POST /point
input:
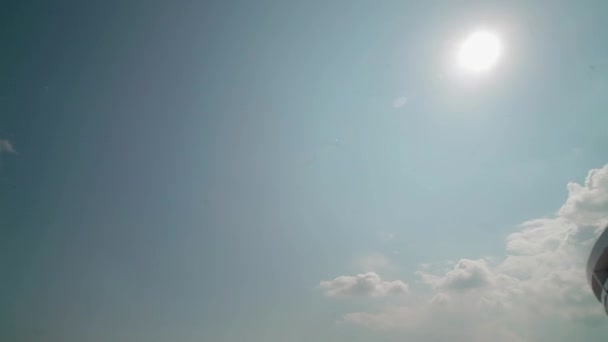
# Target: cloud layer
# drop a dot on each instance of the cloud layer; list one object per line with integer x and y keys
{"x": 538, "y": 292}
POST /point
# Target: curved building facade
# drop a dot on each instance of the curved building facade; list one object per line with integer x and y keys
{"x": 597, "y": 269}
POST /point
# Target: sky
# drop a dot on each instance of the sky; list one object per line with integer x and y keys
{"x": 300, "y": 171}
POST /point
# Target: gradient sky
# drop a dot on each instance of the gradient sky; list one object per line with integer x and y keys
{"x": 299, "y": 171}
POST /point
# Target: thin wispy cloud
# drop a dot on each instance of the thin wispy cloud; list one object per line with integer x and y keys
{"x": 385, "y": 237}
{"x": 400, "y": 102}
{"x": 373, "y": 262}
{"x": 6, "y": 147}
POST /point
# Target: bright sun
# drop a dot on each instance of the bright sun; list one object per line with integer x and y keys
{"x": 479, "y": 52}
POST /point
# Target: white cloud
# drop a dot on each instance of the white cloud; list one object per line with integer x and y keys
{"x": 363, "y": 285}
{"x": 538, "y": 292}
{"x": 6, "y": 147}
{"x": 466, "y": 275}
{"x": 587, "y": 204}
{"x": 400, "y": 102}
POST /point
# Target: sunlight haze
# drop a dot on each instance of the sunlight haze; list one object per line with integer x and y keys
{"x": 297, "y": 171}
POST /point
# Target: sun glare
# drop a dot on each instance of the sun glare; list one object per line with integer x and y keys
{"x": 479, "y": 52}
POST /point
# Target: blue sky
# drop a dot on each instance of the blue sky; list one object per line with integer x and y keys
{"x": 300, "y": 170}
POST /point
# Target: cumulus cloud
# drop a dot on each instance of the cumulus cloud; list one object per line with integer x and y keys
{"x": 466, "y": 274}
{"x": 363, "y": 285}
{"x": 537, "y": 292}
{"x": 6, "y": 147}
{"x": 587, "y": 204}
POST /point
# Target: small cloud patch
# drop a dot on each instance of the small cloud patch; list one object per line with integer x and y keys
{"x": 363, "y": 285}
{"x": 6, "y": 147}
{"x": 400, "y": 102}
